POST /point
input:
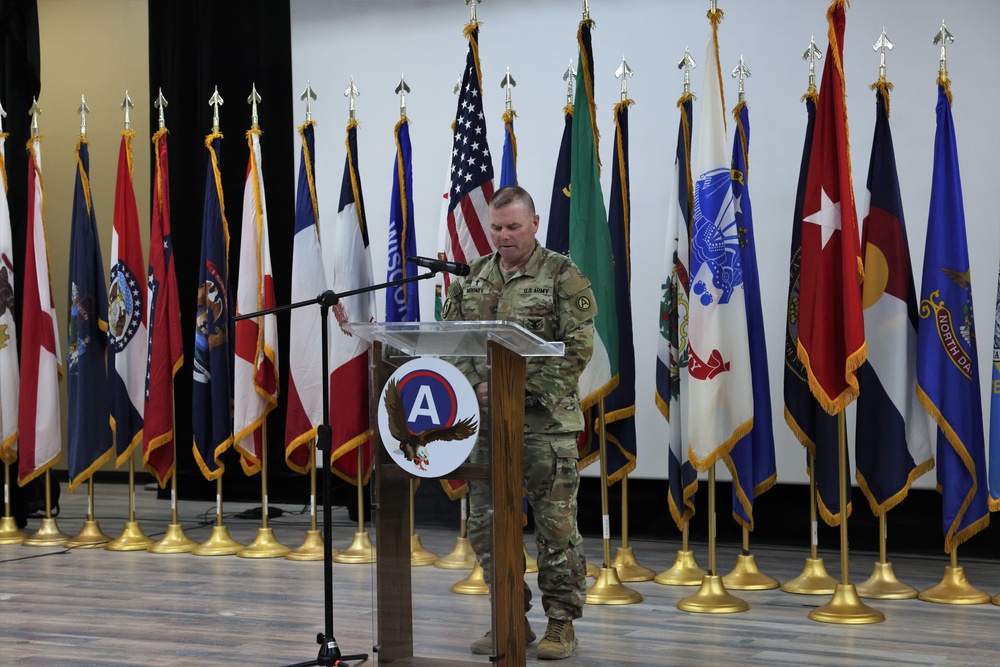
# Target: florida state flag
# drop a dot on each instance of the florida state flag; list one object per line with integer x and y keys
{"x": 831, "y": 326}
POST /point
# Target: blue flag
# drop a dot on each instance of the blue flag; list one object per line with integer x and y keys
{"x": 894, "y": 434}
{"x": 751, "y": 461}
{"x": 995, "y": 413}
{"x": 557, "y": 236}
{"x": 814, "y": 428}
{"x": 671, "y": 349}
{"x": 212, "y": 389}
{"x": 947, "y": 364}
{"x": 89, "y": 443}
{"x": 619, "y": 406}
{"x": 508, "y": 165}
{"x": 402, "y": 303}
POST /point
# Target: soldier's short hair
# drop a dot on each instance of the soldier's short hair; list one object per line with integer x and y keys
{"x": 512, "y": 194}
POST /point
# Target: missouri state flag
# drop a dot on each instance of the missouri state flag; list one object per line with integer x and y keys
{"x": 947, "y": 361}
{"x": 9, "y": 375}
{"x": 127, "y": 342}
{"x": 305, "y": 372}
{"x": 720, "y": 411}
{"x": 255, "y": 373}
{"x": 163, "y": 318}
{"x": 894, "y": 433}
{"x": 89, "y": 442}
{"x": 39, "y": 431}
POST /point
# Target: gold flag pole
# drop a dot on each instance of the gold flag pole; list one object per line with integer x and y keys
{"x": 90, "y": 535}
{"x": 361, "y": 549}
{"x": 845, "y": 606}
{"x": 814, "y": 579}
{"x": 312, "y": 547}
{"x": 48, "y": 533}
{"x": 685, "y": 571}
{"x": 954, "y": 587}
{"x": 608, "y": 589}
{"x": 9, "y": 532}
{"x": 219, "y": 543}
{"x": 462, "y": 557}
{"x": 712, "y": 597}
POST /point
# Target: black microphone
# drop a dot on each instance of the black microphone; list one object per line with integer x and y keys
{"x": 457, "y": 268}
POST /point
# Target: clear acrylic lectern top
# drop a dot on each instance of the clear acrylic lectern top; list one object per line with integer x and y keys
{"x": 454, "y": 339}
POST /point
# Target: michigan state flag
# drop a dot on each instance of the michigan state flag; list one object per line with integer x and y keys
{"x": 89, "y": 444}
{"x": 212, "y": 389}
{"x": 751, "y": 460}
{"x": 947, "y": 363}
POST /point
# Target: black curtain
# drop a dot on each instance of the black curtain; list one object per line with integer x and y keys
{"x": 194, "y": 47}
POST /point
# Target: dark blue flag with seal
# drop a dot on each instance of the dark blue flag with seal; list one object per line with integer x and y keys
{"x": 212, "y": 389}
{"x": 89, "y": 443}
{"x": 557, "y": 234}
{"x": 402, "y": 302}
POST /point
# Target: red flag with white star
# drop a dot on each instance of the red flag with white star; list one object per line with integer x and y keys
{"x": 831, "y": 325}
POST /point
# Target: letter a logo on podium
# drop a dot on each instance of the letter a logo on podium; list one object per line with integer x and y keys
{"x": 428, "y": 417}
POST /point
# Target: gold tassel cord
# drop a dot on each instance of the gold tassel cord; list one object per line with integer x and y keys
{"x": 310, "y": 178}
{"x": 128, "y": 134}
{"x": 401, "y": 174}
{"x": 508, "y": 121}
{"x": 158, "y": 136}
{"x": 883, "y": 87}
{"x": 945, "y": 83}
{"x": 715, "y": 17}
{"x": 84, "y": 179}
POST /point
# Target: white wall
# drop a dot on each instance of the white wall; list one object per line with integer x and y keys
{"x": 376, "y": 40}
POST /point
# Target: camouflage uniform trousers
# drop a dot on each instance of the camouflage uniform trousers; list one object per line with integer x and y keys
{"x": 551, "y": 483}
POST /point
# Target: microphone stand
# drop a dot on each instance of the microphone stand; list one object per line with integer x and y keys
{"x": 329, "y": 651}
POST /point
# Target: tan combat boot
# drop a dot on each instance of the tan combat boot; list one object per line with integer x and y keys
{"x": 484, "y": 645}
{"x": 558, "y": 642}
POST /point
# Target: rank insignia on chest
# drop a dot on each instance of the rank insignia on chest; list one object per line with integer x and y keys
{"x": 533, "y": 324}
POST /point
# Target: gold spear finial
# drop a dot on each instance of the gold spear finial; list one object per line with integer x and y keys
{"x": 160, "y": 104}
{"x": 253, "y": 100}
{"x": 35, "y": 111}
{"x": 586, "y": 10}
{"x": 352, "y": 92}
{"x": 507, "y": 84}
{"x": 308, "y": 95}
{"x": 472, "y": 6}
{"x": 215, "y": 102}
{"x": 569, "y": 76}
{"x": 127, "y": 106}
{"x": 812, "y": 54}
{"x": 943, "y": 38}
{"x": 83, "y": 111}
{"x": 687, "y": 64}
{"x": 624, "y": 72}
{"x": 741, "y": 72}
{"x": 402, "y": 89}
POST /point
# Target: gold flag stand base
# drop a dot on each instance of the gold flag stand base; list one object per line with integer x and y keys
{"x": 9, "y": 532}
{"x": 684, "y": 571}
{"x": 883, "y": 585}
{"x": 846, "y": 608}
{"x": 419, "y": 556}
{"x": 174, "y": 542}
{"x": 592, "y": 570}
{"x": 608, "y": 589}
{"x": 48, "y": 535}
{"x": 712, "y": 598}
{"x": 131, "y": 539}
{"x": 813, "y": 581}
{"x": 360, "y": 551}
{"x": 474, "y": 584}
{"x": 90, "y": 536}
{"x": 219, "y": 544}
{"x": 747, "y": 577}
{"x": 954, "y": 589}
{"x": 265, "y": 545}
{"x": 628, "y": 568}
{"x": 996, "y": 600}
{"x": 310, "y": 549}
{"x": 530, "y": 564}
{"x": 462, "y": 557}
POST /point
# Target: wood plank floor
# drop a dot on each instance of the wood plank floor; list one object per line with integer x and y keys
{"x": 95, "y": 607}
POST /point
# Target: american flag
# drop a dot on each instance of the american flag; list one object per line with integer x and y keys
{"x": 466, "y": 234}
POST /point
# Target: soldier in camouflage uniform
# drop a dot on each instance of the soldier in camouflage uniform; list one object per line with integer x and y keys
{"x": 545, "y": 293}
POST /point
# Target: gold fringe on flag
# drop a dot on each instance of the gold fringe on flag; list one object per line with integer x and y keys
{"x": 586, "y": 71}
{"x": 218, "y": 188}
{"x": 3, "y": 164}
{"x": 883, "y": 87}
{"x": 508, "y": 119}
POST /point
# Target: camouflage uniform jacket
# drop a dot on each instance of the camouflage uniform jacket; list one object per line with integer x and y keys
{"x": 550, "y": 298}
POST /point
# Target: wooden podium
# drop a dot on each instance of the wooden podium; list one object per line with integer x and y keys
{"x": 505, "y": 346}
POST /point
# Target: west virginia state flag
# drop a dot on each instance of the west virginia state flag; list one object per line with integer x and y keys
{"x": 893, "y": 440}
{"x": 720, "y": 411}
{"x": 166, "y": 351}
{"x": 89, "y": 440}
{"x": 256, "y": 361}
{"x": 40, "y": 438}
{"x": 947, "y": 364}
{"x": 671, "y": 345}
{"x": 751, "y": 461}
{"x": 9, "y": 375}
{"x": 305, "y": 372}
{"x": 127, "y": 341}
{"x": 402, "y": 302}
{"x": 352, "y": 269}
{"x": 212, "y": 389}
